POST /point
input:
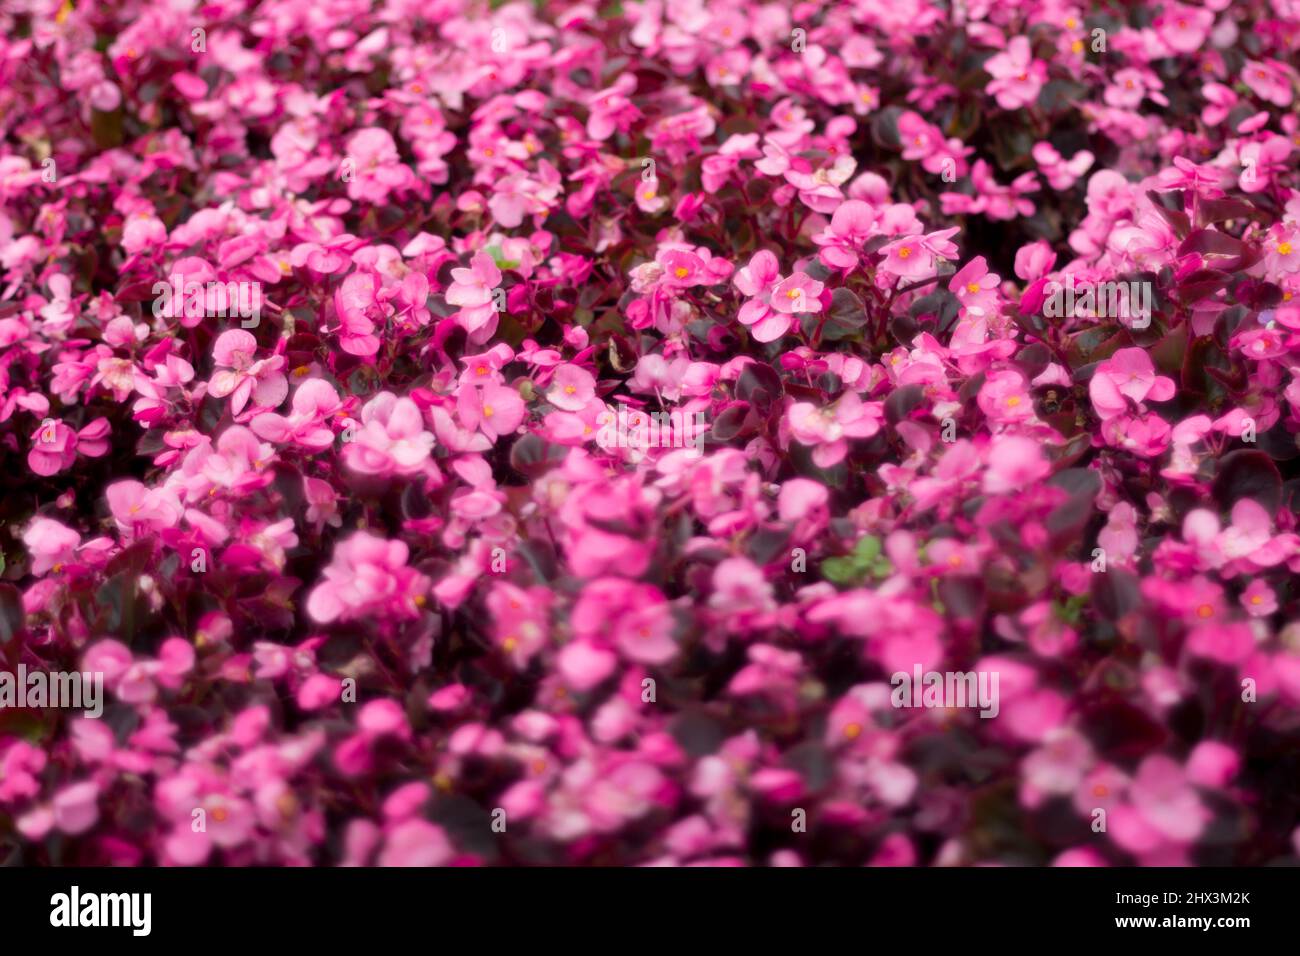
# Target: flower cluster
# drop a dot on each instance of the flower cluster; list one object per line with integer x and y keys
{"x": 314, "y": 319}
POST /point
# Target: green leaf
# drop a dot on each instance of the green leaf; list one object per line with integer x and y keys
{"x": 867, "y": 550}
{"x": 499, "y": 258}
{"x": 841, "y": 570}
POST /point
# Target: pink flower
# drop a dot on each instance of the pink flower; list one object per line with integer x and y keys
{"x": 367, "y": 576}
{"x": 773, "y": 299}
{"x": 51, "y": 544}
{"x": 391, "y": 439}
{"x": 473, "y": 290}
{"x": 1183, "y": 28}
{"x": 247, "y": 376}
{"x": 1269, "y": 81}
{"x": 1212, "y": 764}
{"x": 1164, "y": 801}
{"x": 572, "y": 388}
{"x": 415, "y": 843}
{"x": 1017, "y": 76}
{"x": 137, "y": 509}
{"x": 1263, "y": 162}
{"x": 585, "y": 663}
{"x": 494, "y": 409}
{"x": 357, "y": 305}
{"x": 313, "y": 404}
{"x": 1258, "y": 599}
{"x": 742, "y": 596}
{"x": 634, "y": 617}
{"x": 373, "y": 166}
{"x": 908, "y": 258}
{"x": 1060, "y": 173}
{"x": 828, "y": 429}
{"x": 76, "y": 807}
{"x": 1219, "y": 103}
{"x": 1128, "y": 375}
{"x": 54, "y": 448}
{"x": 1014, "y": 463}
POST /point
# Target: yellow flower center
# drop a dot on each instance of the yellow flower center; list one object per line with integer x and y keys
{"x": 1284, "y": 248}
{"x": 904, "y": 252}
{"x": 852, "y": 731}
{"x": 487, "y": 411}
{"x": 972, "y": 287}
{"x": 681, "y": 272}
{"x": 1204, "y": 611}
